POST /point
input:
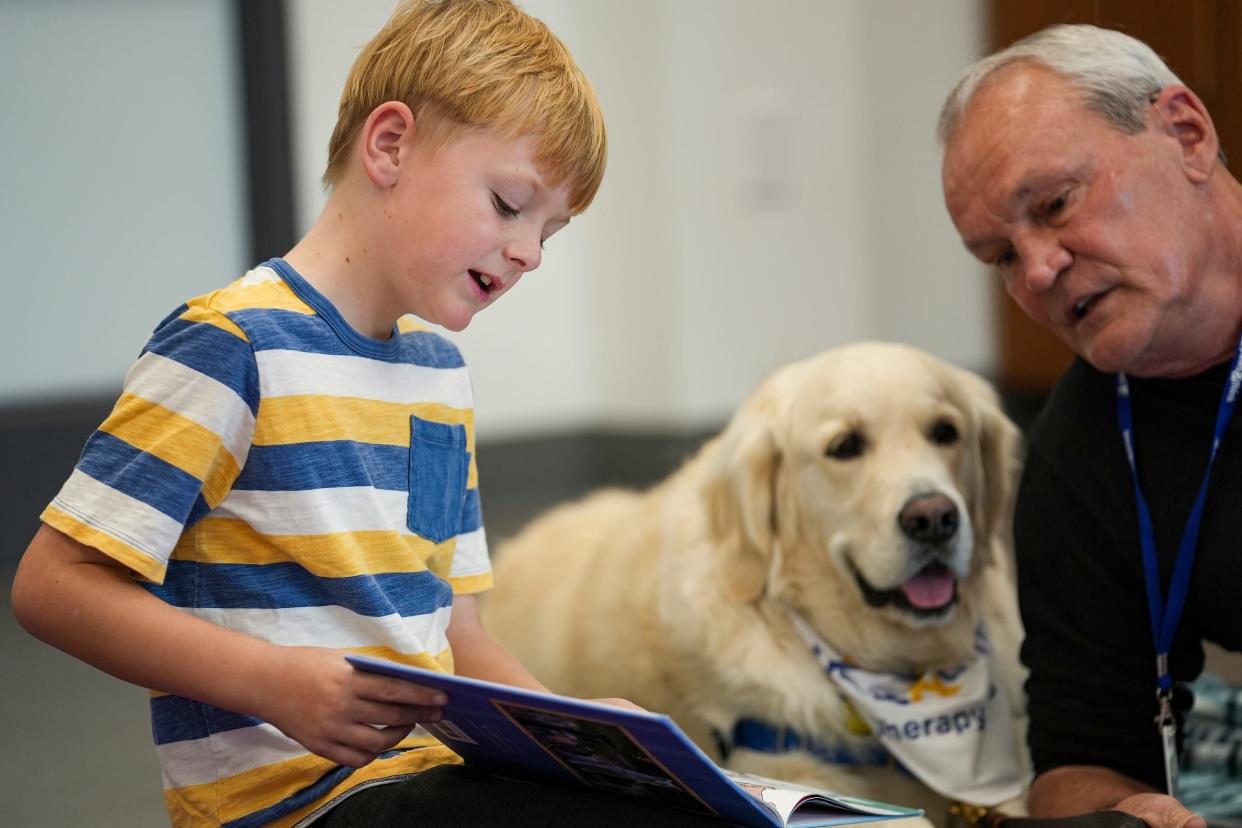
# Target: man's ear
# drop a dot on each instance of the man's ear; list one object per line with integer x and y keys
{"x": 385, "y": 133}
{"x": 1183, "y": 116}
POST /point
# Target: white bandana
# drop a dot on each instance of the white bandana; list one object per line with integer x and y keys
{"x": 950, "y": 728}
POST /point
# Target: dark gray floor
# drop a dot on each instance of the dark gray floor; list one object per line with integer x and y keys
{"x": 77, "y": 743}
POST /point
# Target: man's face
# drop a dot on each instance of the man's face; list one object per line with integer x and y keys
{"x": 1093, "y": 230}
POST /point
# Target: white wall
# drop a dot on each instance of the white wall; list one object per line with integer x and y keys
{"x": 772, "y": 190}
{"x": 122, "y": 191}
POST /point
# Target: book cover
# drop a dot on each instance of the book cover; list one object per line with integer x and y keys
{"x": 563, "y": 741}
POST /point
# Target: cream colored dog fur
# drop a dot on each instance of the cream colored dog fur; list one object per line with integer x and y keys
{"x": 674, "y": 597}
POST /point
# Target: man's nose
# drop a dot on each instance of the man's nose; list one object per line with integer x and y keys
{"x": 1043, "y": 259}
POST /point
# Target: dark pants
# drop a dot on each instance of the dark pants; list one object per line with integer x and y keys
{"x": 451, "y": 795}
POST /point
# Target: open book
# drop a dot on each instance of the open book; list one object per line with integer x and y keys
{"x": 534, "y": 736}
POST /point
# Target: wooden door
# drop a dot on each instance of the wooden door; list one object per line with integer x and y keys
{"x": 1200, "y": 40}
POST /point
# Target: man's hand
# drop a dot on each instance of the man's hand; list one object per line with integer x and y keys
{"x": 625, "y": 704}
{"x": 1160, "y": 811}
{"x": 317, "y": 698}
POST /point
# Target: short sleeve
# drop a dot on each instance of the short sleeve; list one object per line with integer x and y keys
{"x": 170, "y": 450}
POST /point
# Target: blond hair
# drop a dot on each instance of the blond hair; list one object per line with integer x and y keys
{"x": 479, "y": 64}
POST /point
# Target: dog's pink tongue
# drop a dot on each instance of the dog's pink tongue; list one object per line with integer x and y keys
{"x": 931, "y": 588}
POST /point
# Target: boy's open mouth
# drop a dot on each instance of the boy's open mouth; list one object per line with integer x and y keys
{"x": 484, "y": 281}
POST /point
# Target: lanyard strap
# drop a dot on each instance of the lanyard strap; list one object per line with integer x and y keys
{"x": 1165, "y": 616}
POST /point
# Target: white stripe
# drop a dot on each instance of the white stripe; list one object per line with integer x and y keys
{"x": 332, "y": 626}
{"x": 470, "y": 557}
{"x": 259, "y": 275}
{"x": 197, "y": 397}
{"x": 221, "y": 755}
{"x": 318, "y": 511}
{"x": 295, "y": 373}
{"x": 117, "y": 514}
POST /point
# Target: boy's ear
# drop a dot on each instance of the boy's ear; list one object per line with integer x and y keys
{"x": 385, "y": 133}
{"x": 1185, "y": 117}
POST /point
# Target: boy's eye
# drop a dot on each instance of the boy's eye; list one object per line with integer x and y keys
{"x": 503, "y": 207}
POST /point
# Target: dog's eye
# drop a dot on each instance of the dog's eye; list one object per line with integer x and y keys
{"x": 943, "y": 433}
{"x": 847, "y": 446}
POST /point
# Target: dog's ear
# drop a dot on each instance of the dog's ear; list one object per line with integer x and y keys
{"x": 1000, "y": 449}
{"x": 739, "y": 493}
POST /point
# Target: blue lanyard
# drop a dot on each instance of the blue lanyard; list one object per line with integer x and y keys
{"x": 1164, "y": 617}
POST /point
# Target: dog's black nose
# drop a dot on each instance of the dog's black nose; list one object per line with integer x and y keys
{"x": 929, "y": 518}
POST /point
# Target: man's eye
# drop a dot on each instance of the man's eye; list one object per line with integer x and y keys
{"x": 1005, "y": 260}
{"x": 503, "y": 207}
{"x": 1056, "y": 205}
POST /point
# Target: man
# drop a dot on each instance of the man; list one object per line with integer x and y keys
{"x": 1080, "y": 166}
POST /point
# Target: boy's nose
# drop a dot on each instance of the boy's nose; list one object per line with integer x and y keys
{"x": 524, "y": 254}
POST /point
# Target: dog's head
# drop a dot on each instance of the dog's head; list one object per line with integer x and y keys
{"x": 867, "y": 487}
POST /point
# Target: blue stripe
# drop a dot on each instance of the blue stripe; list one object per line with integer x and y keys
{"x": 211, "y": 351}
{"x": 200, "y": 508}
{"x": 300, "y": 467}
{"x": 471, "y": 511}
{"x": 142, "y": 476}
{"x": 430, "y": 349}
{"x": 289, "y": 804}
{"x": 286, "y": 585}
{"x": 318, "y": 789}
{"x": 178, "y": 719}
{"x": 275, "y": 329}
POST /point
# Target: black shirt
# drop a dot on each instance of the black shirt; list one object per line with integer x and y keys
{"x": 1088, "y": 641}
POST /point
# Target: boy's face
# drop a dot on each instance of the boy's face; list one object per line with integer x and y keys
{"x": 466, "y": 220}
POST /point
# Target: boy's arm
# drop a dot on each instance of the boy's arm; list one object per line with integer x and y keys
{"x": 81, "y": 601}
{"x": 477, "y": 655}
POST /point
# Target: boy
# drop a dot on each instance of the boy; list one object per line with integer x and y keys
{"x": 289, "y": 473}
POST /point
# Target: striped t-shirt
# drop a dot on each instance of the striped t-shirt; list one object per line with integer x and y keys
{"x": 270, "y": 469}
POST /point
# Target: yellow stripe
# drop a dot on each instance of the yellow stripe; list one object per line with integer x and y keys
{"x": 237, "y": 796}
{"x": 412, "y": 761}
{"x": 265, "y": 295}
{"x": 336, "y": 555}
{"x": 146, "y": 566}
{"x": 206, "y": 316}
{"x": 312, "y": 418}
{"x": 409, "y": 324}
{"x": 441, "y": 662}
{"x": 471, "y": 583}
{"x": 177, "y": 440}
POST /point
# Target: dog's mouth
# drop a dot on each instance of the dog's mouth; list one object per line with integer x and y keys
{"x": 931, "y": 592}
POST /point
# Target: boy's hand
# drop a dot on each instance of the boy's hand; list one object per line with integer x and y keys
{"x": 349, "y": 716}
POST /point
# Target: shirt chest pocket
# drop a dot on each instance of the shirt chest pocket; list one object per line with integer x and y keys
{"x": 439, "y": 467}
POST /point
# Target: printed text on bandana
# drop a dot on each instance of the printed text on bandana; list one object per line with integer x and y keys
{"x": 956, "y": 723}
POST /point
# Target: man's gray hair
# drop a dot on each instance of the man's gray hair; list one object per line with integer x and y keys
{"x": 1117, "y": 74}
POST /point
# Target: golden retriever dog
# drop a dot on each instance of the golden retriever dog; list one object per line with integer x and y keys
{"x": 866, "y": 489}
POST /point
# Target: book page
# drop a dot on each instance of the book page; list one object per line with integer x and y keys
{"x": 786, "y": 798}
